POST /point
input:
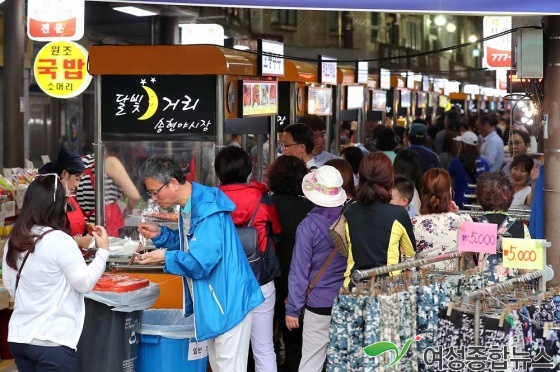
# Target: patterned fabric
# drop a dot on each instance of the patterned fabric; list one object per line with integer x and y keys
{"x": 437, "y": 234}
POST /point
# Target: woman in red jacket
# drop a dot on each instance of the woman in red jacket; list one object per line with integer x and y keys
{"x": 233, "y": 168}
{"x": 70, "y": 168}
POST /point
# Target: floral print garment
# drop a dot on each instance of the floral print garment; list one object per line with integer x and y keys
{"x": 437, "y": 234}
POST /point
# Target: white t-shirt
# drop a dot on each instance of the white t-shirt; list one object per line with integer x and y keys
{"x": 49, "y": 301}
{"x": 520, "y": 196}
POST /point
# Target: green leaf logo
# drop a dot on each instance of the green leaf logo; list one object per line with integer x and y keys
{"x": 395, "y": 355}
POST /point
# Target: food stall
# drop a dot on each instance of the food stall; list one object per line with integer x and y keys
{"x": 174, "y": 100}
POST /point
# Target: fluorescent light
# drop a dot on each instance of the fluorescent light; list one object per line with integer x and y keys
{"x": 136, "y": 11}
{"x": 241, "y": 47}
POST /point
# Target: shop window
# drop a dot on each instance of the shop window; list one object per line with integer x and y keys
{"x": 285, "y": 17}
{"x": 374, "y": 33}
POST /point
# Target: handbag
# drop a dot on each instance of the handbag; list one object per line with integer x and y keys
{"x": 337, "y": 232}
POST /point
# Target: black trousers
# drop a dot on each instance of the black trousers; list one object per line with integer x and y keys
{"x": 34, "y": 358}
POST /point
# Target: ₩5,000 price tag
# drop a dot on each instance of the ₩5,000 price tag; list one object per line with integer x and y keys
{"x": 523, "y": 253}
{"x": 477, "y": 237}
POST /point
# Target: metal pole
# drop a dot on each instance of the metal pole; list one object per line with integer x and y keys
{"x": 477, "y": 305}
{"x": 552, "y": 142}
{"x": 272, "y": 141}
{"x": 293, "y": 102}
{"x": 336, "y": 120}
{"x": 220, "y": 117}
{"x": 328, "y": 131}
{"x": 260, "y": 154}
{"x": 99, "y": 154}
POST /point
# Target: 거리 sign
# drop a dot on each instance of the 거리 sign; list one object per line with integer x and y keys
{"x": 61, "y": 69}
{"x": 55, "y": 20}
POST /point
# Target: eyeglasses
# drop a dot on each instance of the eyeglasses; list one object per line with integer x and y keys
{"x": 283, "y": 146}
{"x": 154, "y": 193}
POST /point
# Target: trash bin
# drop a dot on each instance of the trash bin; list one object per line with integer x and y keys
{"x": 167, "y": 343}
{"x": 110, "y": 339}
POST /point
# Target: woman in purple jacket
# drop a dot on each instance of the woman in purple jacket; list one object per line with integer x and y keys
{"x": 317, "y": 269}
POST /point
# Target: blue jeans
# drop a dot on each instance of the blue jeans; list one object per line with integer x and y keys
{"x": 34, "y": 358}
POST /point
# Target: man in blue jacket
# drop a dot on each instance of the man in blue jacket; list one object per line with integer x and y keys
{"x": 220, "y": 288}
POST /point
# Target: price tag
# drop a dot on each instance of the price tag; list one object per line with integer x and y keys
{"x": 523, "y": 253}
{"x": 477, "y": 237}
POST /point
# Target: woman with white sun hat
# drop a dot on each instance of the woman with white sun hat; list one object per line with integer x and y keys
{"x": 317, "y": 269}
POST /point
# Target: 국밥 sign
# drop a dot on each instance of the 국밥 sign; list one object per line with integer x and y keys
{"x": 61, "y": 69}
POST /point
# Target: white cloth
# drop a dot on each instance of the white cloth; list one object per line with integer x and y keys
{"x": 493, "y": 150}
{"x": 49, "y": 301}
{"x": 311, "y": 164}
{"x": 437, "y": 234}
{"x": 314, "y": 343}
{"x": 415, "y": 202}
{"x": 520, "y": 196}
{"x": 323, "y": 157}
{"x": 262, "y": 331}
{"x": 229, "y": 352}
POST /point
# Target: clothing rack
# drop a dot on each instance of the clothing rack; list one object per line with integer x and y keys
{"x": 364, "y": 274}
{"x": 521, "y": 214}
{"x": 543, "y": 276}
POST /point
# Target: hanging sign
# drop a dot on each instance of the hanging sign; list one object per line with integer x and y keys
{"x": 327, "y": 70}
{"x": 270, "y": 58}
{"x": 260, "y": 98}
{"x": 319, "y": 101}
{"x": 477, "y": 237}
{"x": 384, "y": 79}
{"x": 378, "y": 100}
{"x": 354, "y": 97}
{"x": 361, "y": 72}
{"x": 158, "y": 107}
{"x": 55, "y": 19}
{"x": 497, "y": 51}
{"x": 60, "y": 69}
{"x": 523, "y": 253}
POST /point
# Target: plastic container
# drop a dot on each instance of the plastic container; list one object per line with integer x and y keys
{"x": 109, "y": 340}
{"x": 120, "y": 283}
{"x": 167, "y": 343}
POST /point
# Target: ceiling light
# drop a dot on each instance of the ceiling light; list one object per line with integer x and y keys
{"x": 451, "y": 27}
{"x": 241, "y": 47}
{"x": 440, "y": 20}
{"x": 472, "y": 38}
{"x": 136, "y": 11}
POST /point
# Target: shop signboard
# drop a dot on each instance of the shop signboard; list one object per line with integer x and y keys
{"x": 327, "y": 70}
{"x": 362, "y": 70}
{"x": 378, "y": 100}
{"x": 354, "y": 97}
{"x": 60, "y": 69}
{"x": 384, "y": 79}
{"x": 406, "y": 98}
{"x": 55, "y": 20}
{"x": 420, "y": 100}
{"x": 319, "y": 101}
{"x": 260, "y": 98}
{"x": 497, "y": 51}
{"x": 390, "y": 6}
{"x": 158, "y": 107}
{"x": 270, "y": 58}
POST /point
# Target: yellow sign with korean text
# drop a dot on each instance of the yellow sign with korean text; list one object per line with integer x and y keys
{"x": 523, "y": 253}
{"x": 61, "y": 69}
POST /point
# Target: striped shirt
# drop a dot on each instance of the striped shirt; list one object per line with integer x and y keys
{"x": 86, "y": 189}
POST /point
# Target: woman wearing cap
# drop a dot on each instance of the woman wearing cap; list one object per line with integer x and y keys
{"x": 70, "y": 168}
{"x": 317, "y": 269}
{"x": 466, "y": 167}
{"x": 380, "y": 232}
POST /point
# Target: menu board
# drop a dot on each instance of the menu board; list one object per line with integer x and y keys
{"x": 378, "y": 100}
{"x": 260, "y": 98}
{"x": 158, "y": 107}
{"x": 406, "y": 96}
{"x": 319, "y": 101}
{"x": 420, "y": 100}
{"x": 354, "y": 97}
